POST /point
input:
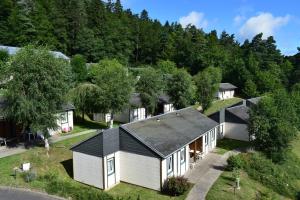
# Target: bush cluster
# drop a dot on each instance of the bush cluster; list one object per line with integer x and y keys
{"x": 60, "y": 187}
{"x": 273, "y": 176}
{"x": 176, "y": 186}
{"x": 234, "y": 162}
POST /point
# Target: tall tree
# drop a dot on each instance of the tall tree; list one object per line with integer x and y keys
{"x": 115, "y": 86}
{"x": 149, "y": 86}
{"x": 79, "y": 68}
{"x": 207, "y": 83}
{"x": 37, "y": 91}
{"x": 181, "y": 89}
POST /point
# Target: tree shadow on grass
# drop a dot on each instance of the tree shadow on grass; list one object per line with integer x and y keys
{"x": 68, "y": 165}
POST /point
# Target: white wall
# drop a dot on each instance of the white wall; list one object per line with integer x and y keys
{"x": 178, "y": 168}
{"x": 101, "y": 117}
{"x": 225, "y": 94}
{"x": 237, "y": 131}
{"x": 137, "y": 114}
{"x": 168, "y": 108}
{"x": 88, "y": 169}
{"x": 68, "y": 126}
{"x": 140, "y": 170}
{"x": 113, "y": 179}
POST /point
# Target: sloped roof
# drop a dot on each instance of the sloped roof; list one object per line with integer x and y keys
{"x": 135, "y": 100}
{"x": 254, "y": 100}
{"x": 242, "y": 112}
{"x": 164, "y": 98}
{"x": 227, "y": 86}
{"x": 167, "y": 133}
{"x": 14, "y": 50}
{"x": 102, "y": 144}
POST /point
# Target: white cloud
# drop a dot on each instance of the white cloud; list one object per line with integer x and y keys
{"x": 264, "y": 23}
{"x": 194, "y": 18}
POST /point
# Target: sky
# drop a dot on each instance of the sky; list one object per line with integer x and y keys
{"x": 243, "y": 18}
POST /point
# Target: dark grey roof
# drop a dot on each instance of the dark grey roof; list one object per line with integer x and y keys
{"x": 68, "y": 106}
{"x": 14, "y": 50}
{"x": 254, "y": 100}
{"x": 166, "y": 133}
{"x": 102, "y": 144}
{"x": 226, "y": 86}
{"x": 135, "y": 100}
{"x": 164, "y": 98}
{"x": 241, "y": 112}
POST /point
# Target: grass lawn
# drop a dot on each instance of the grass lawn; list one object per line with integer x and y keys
{"x": 219, "y": 104}
{"x": 126, "y": 190}
{"x": 54, "y": 175}
{"x": 223, "y": 188}
{"x": 226, "y": 145}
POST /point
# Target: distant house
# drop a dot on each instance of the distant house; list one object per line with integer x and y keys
{"x": 9, "y": 129}
{"x": 164, "y": 104}
{"x": 14, "y": 50}
{"x": 226, "y": 91}
{"x": 134, "y": 112}
{"x": 146, "y": 152}
{"x": 234, "y": 120}
{"x": 65, "y": 120}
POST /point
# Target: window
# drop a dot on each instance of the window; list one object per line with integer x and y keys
{"x": 213, "y": 135}
{"x": 206, "y": 139}
{"x": 64, "y": 117}
{"x": 170, "y": 165}
{"x": 110, "y": 166}
{"x": 182, "y": 155}
{"x": 221, "y": 129}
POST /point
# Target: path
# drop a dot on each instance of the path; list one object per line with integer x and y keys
{"x": 20, "y": 149}
{"x": 206, "y": 173}
{"x": 7, "y": 193}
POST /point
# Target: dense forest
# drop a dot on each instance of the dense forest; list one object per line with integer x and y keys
{"x": 99, "y": 30}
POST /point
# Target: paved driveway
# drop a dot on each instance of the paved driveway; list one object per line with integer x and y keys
{"x": 205, "y": 173}
{"x": 20, "y": 194}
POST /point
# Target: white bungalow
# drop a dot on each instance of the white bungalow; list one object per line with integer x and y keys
{"x": 226, "y": 91}
{"x": 146, "y": 152}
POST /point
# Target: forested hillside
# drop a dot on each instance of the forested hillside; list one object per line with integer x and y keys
{"x": 99, "y": 30}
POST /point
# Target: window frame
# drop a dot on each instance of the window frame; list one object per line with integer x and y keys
{"x": 170, "y": 160}
{"x": 182, "y": 152}
{"x": 110, "y": 160}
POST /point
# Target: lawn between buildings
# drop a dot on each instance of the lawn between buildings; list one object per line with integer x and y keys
{"x": 219, "y": 104}
{"x": 54, "y": 175}
{"x": 223, "y": 188}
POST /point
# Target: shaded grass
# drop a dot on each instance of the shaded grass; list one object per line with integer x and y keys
{"x": 224, "y": 145}
{"x": 219, "y": 104}
{"x": 223, "y": 188}
{"x": 127, "y": 190}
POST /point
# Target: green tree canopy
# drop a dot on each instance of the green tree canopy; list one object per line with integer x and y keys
{"x": 78, "y": 64}
{"x": 149, "y": 86}
{"x": 207, "y": 83}
{"x": 181, "y": 89}
{"x": 273, "y": 124}
{"x": 38, "y": 88}
{"x": 115, "y": 85}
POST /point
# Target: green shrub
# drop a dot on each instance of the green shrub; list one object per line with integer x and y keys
{"x": 29, "y": 176}
{"x": 234, "y": 162}
{"x": 60, "y": 187}
{"x": 175, "y": 186}
{"x": 271, "y": 175}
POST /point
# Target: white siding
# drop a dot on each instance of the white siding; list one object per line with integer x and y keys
{"x": 225, "y": 94}
{"x": 100, "y": 117}
{"x": 112, "y": 179}
{"x": 137, "y": 114}
{"x": 237, "y": 131}
{"x": 140, "y": 170}
{"x": 168, "y": 108}
{"x": 88, "y": 169}
{"x": 66, "y": 126}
